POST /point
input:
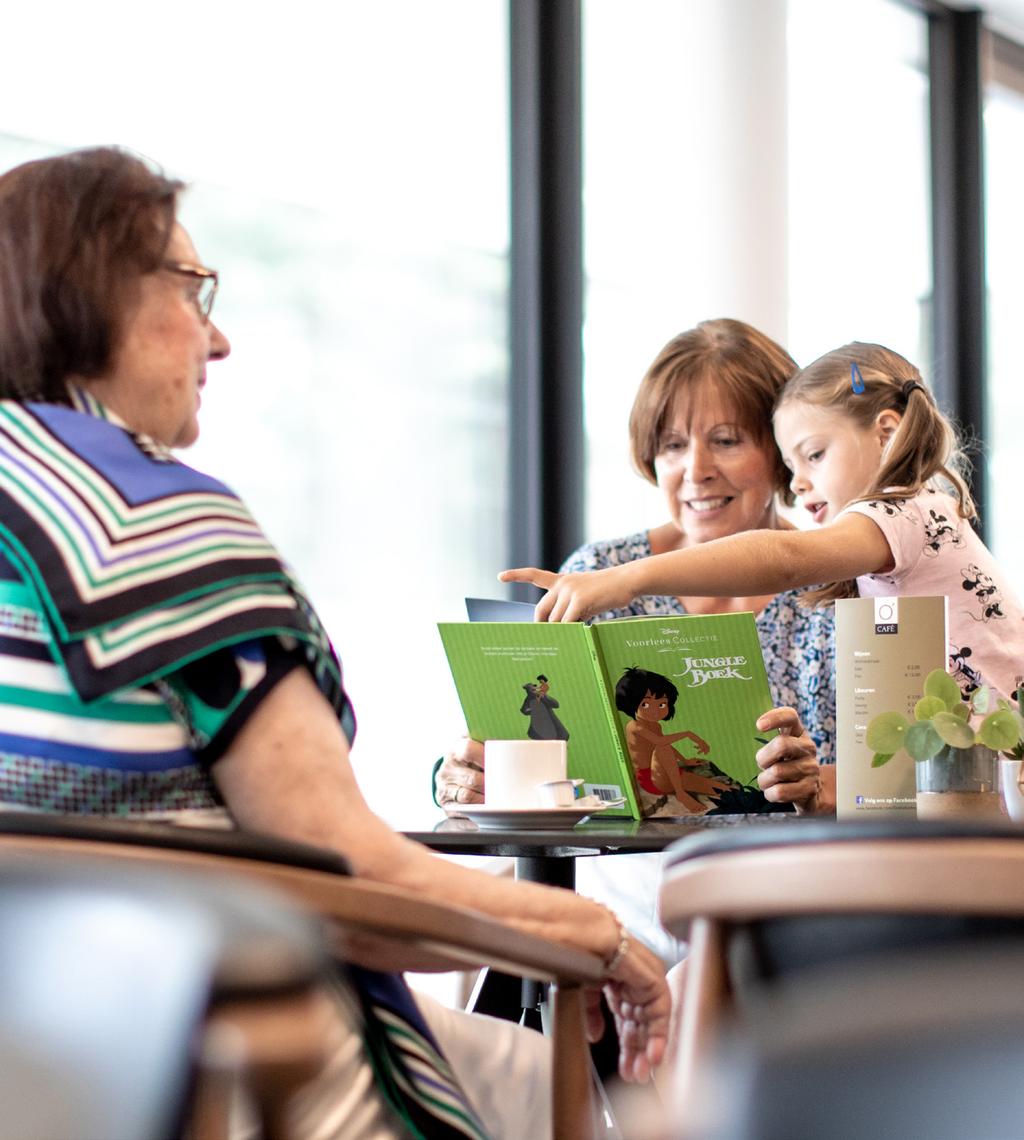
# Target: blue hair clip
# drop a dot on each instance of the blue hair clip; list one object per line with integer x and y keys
{"x": 856, "y": 380}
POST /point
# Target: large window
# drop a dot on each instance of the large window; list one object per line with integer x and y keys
{"x": 859, "y": 174}
{"x": 354, "y": 198}
{"x": 684, "y": 115}
{"x": 763, "y": 161}
{"x": 1004, "y": 255}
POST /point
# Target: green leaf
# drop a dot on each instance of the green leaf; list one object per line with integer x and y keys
{"x": 940, "y": 684}
{"x": 927, "y": 707}
{"x": 980, "y": 699}
{"x": 962, "y": 711}
{"x": 999, "y": 731}
{"x": 885, "y": 732}
{"x": 953, "y": 730}
{"x": 922, "y": 741}
{"x": 880, "y": 758}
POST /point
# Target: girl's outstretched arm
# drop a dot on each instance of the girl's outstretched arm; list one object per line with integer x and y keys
{"x": 742, "y": 565}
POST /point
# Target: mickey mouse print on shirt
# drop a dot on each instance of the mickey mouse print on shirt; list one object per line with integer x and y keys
{"x": 937, "y": 552}
{"x": 989, "y": 599}
{"x": 940, "y": 529}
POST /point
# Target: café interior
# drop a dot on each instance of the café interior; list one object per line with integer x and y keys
{"x": 472, "y": 224}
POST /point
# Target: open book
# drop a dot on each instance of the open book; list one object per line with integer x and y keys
{"x": 657, "y": 711}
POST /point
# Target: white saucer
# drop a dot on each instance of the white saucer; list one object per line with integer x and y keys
{"x": 524, "y": 819}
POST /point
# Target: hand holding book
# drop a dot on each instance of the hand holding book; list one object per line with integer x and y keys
{"x": 790, "y": 772}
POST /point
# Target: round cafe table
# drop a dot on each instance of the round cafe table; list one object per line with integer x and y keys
{"x": 549, "y": 856}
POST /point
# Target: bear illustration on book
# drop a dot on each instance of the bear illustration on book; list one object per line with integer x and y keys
{"x": 540, "y": 708}
{"x": 662, "y": 771}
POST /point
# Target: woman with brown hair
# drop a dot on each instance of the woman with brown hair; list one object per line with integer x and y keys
{"x": 701, "y": 432}
{"x": 159, "y": 658}
{"x": 878, "y": 466}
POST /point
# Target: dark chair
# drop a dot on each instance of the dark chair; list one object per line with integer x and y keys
{"x": 924, "y": 1045}
{"x": 113, "y": 977}
{"x": 372, "y": 924}
{"x": 763, "y": 904}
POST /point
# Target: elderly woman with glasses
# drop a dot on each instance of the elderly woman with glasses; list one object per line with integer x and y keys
{"x": 159, "y": 660}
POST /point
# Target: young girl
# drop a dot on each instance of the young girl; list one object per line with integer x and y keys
{"x": 876, "y": 463}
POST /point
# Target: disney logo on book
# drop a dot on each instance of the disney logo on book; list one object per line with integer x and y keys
{"x": 700, "y": 670}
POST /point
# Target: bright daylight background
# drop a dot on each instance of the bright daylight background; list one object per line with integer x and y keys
{"x": 767, "y": 161}
{"x": 753, "y": 158}
{"x": 1004, "y": 244}
{"x": 350, "y": 183}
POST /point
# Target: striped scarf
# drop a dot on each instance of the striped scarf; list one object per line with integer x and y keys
{"x": 410, "y": 1068}
{"x": 143, "y": 564}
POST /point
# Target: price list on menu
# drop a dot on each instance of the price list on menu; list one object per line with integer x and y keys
{"x": 885, "y": 647}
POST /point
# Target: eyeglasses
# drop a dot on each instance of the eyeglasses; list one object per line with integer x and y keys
{"x": 207, "y": 289}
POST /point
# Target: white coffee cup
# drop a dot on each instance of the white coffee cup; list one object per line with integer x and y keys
{"x": 514, "y": 768}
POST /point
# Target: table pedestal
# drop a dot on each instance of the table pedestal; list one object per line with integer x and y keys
{"x": 553, "y": 872}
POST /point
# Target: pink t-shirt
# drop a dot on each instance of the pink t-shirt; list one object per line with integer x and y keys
{"x": 937, "y": 552}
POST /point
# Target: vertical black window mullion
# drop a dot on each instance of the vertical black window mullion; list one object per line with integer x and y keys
{"x": 546, "y": 286}
{"x": 954, "y": 50}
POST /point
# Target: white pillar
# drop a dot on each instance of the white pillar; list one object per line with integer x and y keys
{"x": 737, "y": 133}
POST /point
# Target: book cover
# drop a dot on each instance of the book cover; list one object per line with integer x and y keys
{"x": 885, "y": 647}
{"x": 660, "y": 711}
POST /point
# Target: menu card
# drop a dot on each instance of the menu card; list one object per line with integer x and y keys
{"x": 885, "y": 648}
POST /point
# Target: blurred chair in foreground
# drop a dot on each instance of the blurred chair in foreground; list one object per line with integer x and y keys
{"x": 760, "y": 905}
{"x": 370, "y": 924}
{"x": 927, "y": 1045}
{"x": 131, "y": 997}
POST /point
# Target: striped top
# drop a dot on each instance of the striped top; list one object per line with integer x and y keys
{"x": 143, "y": 614}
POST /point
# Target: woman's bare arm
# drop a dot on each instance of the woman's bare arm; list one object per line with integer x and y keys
{"x": 288, "y": 773}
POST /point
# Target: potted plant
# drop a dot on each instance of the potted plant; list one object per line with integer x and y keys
{"x": 957, "y": 764}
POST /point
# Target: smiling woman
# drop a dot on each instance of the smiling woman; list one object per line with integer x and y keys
{"x": 880, "y": 464}
{"x": 700, "y": 431}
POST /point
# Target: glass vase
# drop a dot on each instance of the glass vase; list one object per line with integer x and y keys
{"x": 958, "y": 783}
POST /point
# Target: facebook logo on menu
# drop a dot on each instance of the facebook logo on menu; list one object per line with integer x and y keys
{"x": 860, "y": 799}
{"x": 887, "y": 615}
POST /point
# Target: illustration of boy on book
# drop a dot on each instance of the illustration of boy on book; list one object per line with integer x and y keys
{"x": 540, "y": 708}
{"x": 649, "y": 698}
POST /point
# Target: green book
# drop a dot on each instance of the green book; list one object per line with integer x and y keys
{"x": 657, "y": 711}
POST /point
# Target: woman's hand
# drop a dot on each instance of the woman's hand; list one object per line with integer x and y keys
{"x": 790, "y": 772}
{"x": 574, "y": 597}
{"x": 460, "y": 779}
{"x": 639, "y": 999}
